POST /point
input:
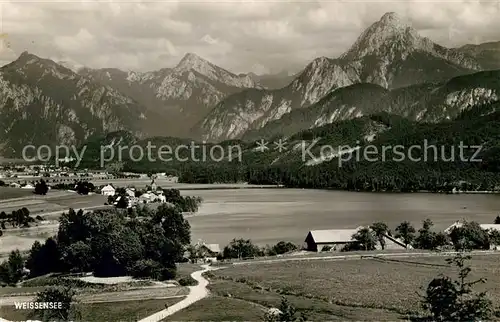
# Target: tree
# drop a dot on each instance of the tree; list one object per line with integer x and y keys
{"x": 84, "y": 187}
{"x": 194, "y": 253}
{"x": 380, "y": 229}
{"x": 175, "y": 228}
{"x": 240, "y": 248}
{"x": 425, "y": 238}
{"x": 497, "y": 220}
{"x": 283, "y": 247}
{"x": 78, "y": 257}
{"x": 41, "y": 187}
{"x": 62, "y": 295}
{"x": 11, "y": 270}
{"x": 366, "y": 238}
{"x": 494, "y": 236}
{"x": 470, "y": 235}
{"x": 406, "y": 232}
{"x": 455, "y": 300}
{"x": 44, "y": 259}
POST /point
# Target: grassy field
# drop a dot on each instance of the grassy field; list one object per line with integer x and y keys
{"x": 217, "y": 308}
{"x": 8, "y": 193}
{"x": 350, "y": 289}
{"x": 113, "y": 311}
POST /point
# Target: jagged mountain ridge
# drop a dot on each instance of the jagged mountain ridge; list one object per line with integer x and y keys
{"x": 180, "y": 96}
{"x": 428, "y": 102}
{"x": 389, "y": 53}
{"x": 42, "y": 102}
{"x": 273, "y": 81}
{"x": 487, "y": 54}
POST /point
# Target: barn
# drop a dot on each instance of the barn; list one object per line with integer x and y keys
{"x": 334, "y": 238}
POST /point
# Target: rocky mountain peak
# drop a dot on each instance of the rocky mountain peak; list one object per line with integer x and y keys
{"x": 391, "y": 18}
{"x": 27, "y": 57}
{"x": 390, "y": 34}
{"x": 194, "y": 62}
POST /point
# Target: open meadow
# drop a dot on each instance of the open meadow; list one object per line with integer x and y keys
{"x": 366, "y": 289}
{"x": 104, "y": 299}
{"x": 50, "y": 208}
{"x": 130, "y": 311}
{"x": 9, "y": 193}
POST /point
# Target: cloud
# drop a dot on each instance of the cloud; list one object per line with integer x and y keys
{"x": 238, "y": 35}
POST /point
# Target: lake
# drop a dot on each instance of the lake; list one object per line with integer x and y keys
{"x": 267, "y": 216}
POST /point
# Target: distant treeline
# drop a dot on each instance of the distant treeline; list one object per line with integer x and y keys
{"x": 442, "y": 169}
{"x": 17, "y": 218}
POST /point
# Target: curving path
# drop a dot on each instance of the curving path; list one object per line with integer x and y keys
{"x": 196, "y": 293}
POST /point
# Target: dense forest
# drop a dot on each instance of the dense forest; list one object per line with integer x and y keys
{"x": 432, "y": 169}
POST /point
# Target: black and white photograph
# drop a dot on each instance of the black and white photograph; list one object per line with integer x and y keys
{"x": 231, "y": 160}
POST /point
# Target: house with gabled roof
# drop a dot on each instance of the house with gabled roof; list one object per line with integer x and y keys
{"x": 337, "y": 239}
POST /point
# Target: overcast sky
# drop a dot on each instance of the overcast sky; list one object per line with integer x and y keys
{"x": 241, "y": 36}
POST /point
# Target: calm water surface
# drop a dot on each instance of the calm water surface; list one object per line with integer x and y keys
{"x": 270, "y": 215}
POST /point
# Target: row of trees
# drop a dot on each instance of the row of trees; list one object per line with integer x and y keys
{"x": 81, "y": 187}
{"x": 17, "y": 218}
{"x": 467, "y": 235}
{"x": 244, "y": 248}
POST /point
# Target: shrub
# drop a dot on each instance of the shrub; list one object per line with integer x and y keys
{"x": 284, "y": 247}
{"x": 146, "y": 268}
{"x": 188, "y": 281}
{"x": 455, "y": 300}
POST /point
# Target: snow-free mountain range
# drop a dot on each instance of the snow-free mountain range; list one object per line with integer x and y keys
{"x": 390, "y": 68}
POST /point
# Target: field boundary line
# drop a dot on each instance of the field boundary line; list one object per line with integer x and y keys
{"x": 359, "y": 257}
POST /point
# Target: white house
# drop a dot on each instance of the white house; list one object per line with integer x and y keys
{"x": 108, "y": 191}
{"x": 130, "y": 192}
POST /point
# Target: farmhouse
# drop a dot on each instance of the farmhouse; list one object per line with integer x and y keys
{"x": 108, "y": 191}
{"x": 336, "y": 239}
